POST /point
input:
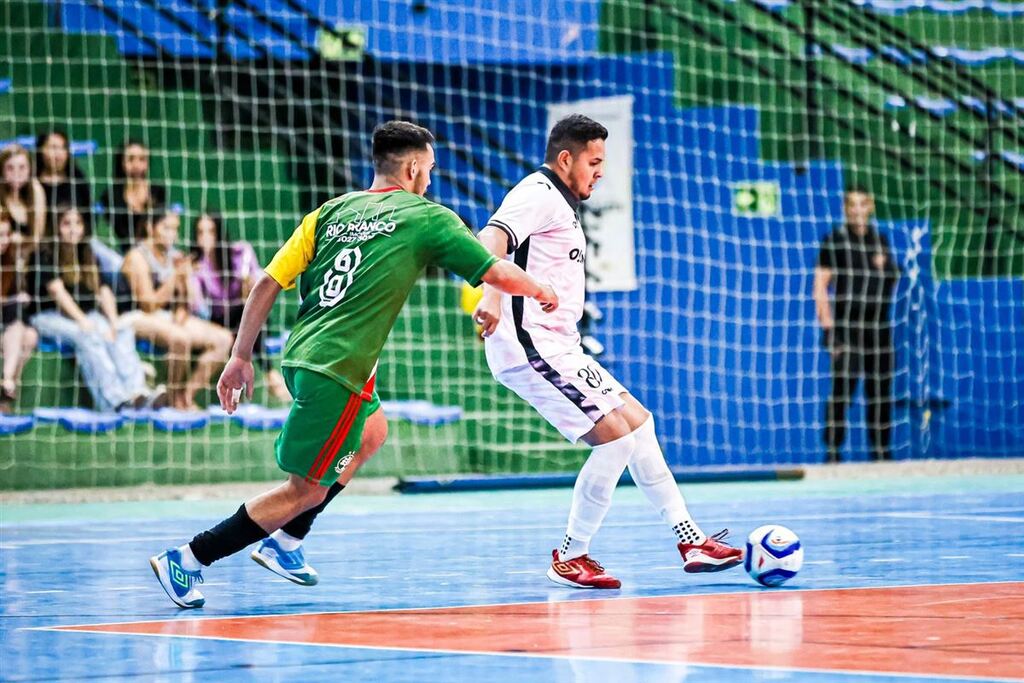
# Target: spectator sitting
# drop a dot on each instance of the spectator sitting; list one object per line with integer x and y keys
{"x": 23, "y": 199}
{"x": 224, "y": 274}
{"x": 63, "y": 183}
{"x": 75, "y": 308}
{"x": 161, "y": 289}
{"x": 132, "y": 195}
{"x": 17, "y": 339}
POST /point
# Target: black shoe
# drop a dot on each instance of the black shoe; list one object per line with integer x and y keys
{"x": 878, "y": 456}
{"x": 833, "y": 456}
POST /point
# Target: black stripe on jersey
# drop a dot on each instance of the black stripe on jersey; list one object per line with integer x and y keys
{"x": 572, "y": 200}
{"x": 513, "y": 243}
{"x": 533, "y": 356}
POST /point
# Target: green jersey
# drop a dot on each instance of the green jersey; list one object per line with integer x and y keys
{"x": 359, "y": 256}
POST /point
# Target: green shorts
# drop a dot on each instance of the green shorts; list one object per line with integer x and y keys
{"x": 324, "y": 427}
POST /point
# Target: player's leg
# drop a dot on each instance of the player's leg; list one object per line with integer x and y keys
{"x": 844, "y": 381}
{"x": 653, "y": 477}
{"x": 878, "y": 369}
{"x": 323, "y": 426}
{"x": 282, "y": 552}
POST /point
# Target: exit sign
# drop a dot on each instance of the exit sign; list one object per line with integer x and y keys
{"x": 761, "y": 199}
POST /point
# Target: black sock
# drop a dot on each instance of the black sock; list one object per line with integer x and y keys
{"x": 301, "y": 524}
{"x": 227, "y": 538}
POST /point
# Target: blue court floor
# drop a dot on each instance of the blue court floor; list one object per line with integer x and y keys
{"x": 88, "y": 565}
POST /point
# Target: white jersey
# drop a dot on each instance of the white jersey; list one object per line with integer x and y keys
{"x": 547, "y": 241}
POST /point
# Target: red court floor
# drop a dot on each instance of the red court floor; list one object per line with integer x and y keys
{"x": 949, "y": 630}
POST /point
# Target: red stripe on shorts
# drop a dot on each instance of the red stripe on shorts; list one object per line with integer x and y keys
{"x": 334, "y": 441}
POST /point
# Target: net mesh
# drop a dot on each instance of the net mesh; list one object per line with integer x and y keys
{"x": 735, "y": 128}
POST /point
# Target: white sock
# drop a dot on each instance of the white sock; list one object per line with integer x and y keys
{"x": 188, "y": 560}
{"x": 592, "y": 494}
{"x": 652, "y": 476}
{"x": 287, "y": 542}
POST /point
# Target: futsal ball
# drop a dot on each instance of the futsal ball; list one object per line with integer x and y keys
{"x": 773, "y": 556}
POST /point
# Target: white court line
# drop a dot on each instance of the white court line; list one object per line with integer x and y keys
{"x": 969, "y": 518}
{"x": 954, "y": 557}
{"x": 749, "y": 589}
{"x": 530, "y": 527}
{"x": 570, "y": 657}
{"x": 58, "y": 590}
{"x": 1015, "y": 554}
{"x": 819, "y": 562}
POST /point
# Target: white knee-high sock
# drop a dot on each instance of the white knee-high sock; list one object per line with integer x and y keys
{"x": 652, "y": 476}
{"x": 592, "y": 494}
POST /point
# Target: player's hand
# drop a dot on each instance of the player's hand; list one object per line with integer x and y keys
{"x": 547, "y": 298}
{"x": 236, "y": 379}
{"x": 488, "y": 313}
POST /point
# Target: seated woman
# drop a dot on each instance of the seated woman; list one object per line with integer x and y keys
{"x": 63, "y": 182}
{"x": 132, "y": 196}
{"x": 162, "y": 295}
{"x": 23, "y": 199}
{"x": 224, "y": 274}
{"x": 17, "y": 338}
{"x": 75, "y": 308}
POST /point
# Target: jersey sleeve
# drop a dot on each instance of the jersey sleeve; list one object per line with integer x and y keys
{"x": 525, "y": 210}
{"x": 827, "y": 253}
{"x": 292, "y": 259}
{"x": 456, "y": 249}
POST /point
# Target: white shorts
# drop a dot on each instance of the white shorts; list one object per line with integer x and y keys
{"x": 571, "y": 390}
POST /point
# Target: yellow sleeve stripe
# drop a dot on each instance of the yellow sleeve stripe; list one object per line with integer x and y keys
{"x": 294, "y": 256}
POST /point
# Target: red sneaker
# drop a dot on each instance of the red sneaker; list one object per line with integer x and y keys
{"x": 711, "y": 556}
{"x": 580, "y": 572}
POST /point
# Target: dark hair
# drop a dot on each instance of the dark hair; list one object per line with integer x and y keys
{"x": 75, "y": 263}
{"x": 221, "y": 249}
{"x": 153, "y": 216}
{"x": 393, "y": 139}
{"x": 573, "y": 133}
{"x": 857, "y": 189}
{"x": 72, "y": 170}
{"x": 117, "y": 173}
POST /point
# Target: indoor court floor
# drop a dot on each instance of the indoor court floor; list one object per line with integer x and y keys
{"x": 909, "y": 579}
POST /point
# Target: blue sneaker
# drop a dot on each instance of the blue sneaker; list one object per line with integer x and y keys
{"x": 289, "y": 564}
{"x": 178, "y": 582}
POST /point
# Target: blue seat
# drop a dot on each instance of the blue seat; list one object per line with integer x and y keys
{"x": 88, "y": 421}
{"x": 257, "y": 417}
{"x": 422, "y": 412}
{"x": 16, "y": 424}
{"x": 171, "y": 420}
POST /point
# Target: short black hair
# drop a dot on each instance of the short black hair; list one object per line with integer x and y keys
{"x": 573, "y": 133}
{"x": 858, "y": 188}
{"x": 393, "y": 139}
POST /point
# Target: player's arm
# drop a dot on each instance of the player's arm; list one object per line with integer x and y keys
{"x": 238, "y": 375}
{"x": 291, "y": 260}
{"x": 823, "y": 276}
{"x": 488, "y": 310}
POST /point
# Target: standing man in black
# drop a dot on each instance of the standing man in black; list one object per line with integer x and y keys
{"x": 856, "y": 263}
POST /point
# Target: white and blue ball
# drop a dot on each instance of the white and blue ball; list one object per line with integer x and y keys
{"x": 773, "y": 555}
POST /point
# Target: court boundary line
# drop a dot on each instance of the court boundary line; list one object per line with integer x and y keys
{"x": 752, "y": 589}
{"x": 564, "y": 657}
{"x": 15, "y": 544}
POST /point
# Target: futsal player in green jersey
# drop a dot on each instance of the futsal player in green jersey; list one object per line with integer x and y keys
{"x": 356, "y": 259}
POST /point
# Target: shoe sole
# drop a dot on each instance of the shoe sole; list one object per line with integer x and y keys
{"x": 562, "y": 581}
{"x": 275, "y": 567}
{"x": 163, "y": 579}
{"x": 704, "y": 567}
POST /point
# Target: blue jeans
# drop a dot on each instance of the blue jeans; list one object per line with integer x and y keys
{"x": 112, "y": 370}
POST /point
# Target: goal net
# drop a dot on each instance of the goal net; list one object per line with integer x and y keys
{"x": 735, "y": 129}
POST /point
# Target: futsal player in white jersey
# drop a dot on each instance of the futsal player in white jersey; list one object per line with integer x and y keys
{"x": 538, "y": 356}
